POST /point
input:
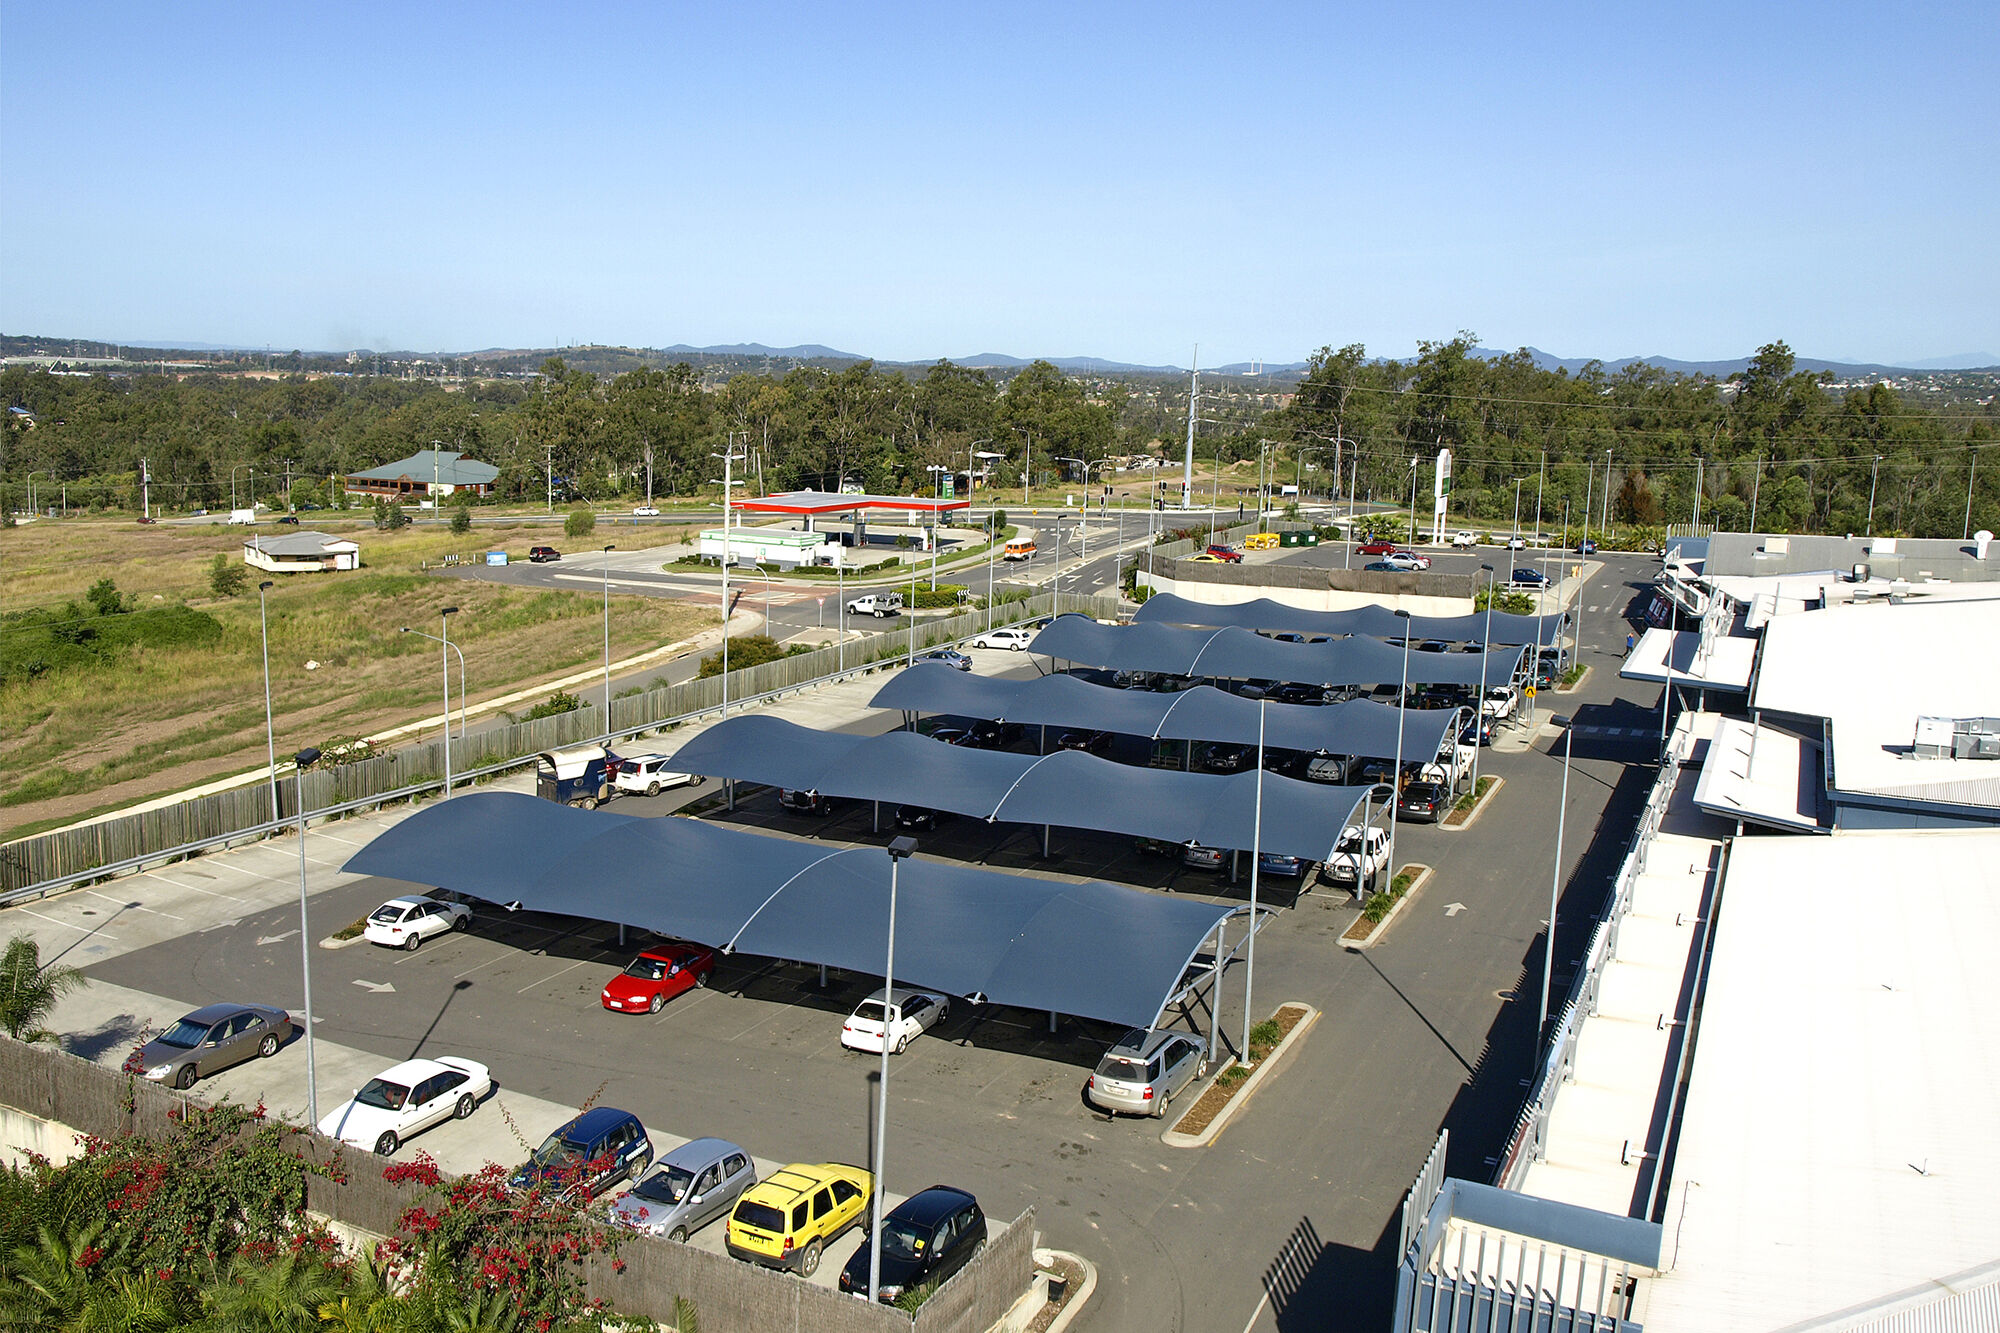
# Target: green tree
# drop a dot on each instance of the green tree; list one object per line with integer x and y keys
{"x": 747, "y": 651}
{"x": 30, "y": 988}
{"x": 226, "y": 577}
{"x": 579, "y": 523}
{"x": 461, "y": 520}
{"x": 104, "y": 596}
{"x": 390, "y": 517}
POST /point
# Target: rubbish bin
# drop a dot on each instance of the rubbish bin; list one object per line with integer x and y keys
{"x": 1288, "y": 539}
{"x": 1309, "y": 538}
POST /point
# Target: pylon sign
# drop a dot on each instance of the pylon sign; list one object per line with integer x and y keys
{"x": 1440, "y": 493}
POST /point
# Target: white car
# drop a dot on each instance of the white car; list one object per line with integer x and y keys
{"x": 1406, "y": 560}
{"x": 648, "y": 773}
{"x": 1465, "y": 539}
{"x": 1016, "y": 639}
{"x": 645, "y": 511}
{"x": 909, "y": 1014}
{"x": 1517, "y": 543}
{"x": 1500, "y": 702}
{"x": 406, "y": 1098}
{"x": 405, "y": 923}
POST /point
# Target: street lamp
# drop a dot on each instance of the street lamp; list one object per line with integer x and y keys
{"x": 38, "y": 472}
{"x": 1555, "y": 881}
{"x": 1413, "y": 500}
{"x": 899, "y": 850}
{"x": 1256, "y": 857}
{"x": 305, "y": 759}
{"x": 1517, "y": 511}
{"x": 1028, "y": 463}
{"x": 461, "y": 677}
{"x": 444, "y": 626}
{"x": 1396, "y": 778}
{"x": 937, "y": 471}
{"x": 1874, "y": 472}
{"x": 607, "y": 641}
{"x": 270, "y": 737}
{"x": 1479, "y": 704}
{"x": 728, "y": 457}
{"x": 232, "y": 480}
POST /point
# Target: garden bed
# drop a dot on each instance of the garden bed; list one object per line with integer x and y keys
{"x": 1382, "y": 907}
{"x": 1266, "y": 1040}
{"x": 1471, "y": 805}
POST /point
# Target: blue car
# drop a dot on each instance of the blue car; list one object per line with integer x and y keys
{"x": 1530, "y": 578}
{"x": 951, "y": 657}
{"x": 593, "y": 1152}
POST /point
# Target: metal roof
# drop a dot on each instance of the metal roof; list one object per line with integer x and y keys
{"x": 827, "y": 502}
{"x": 1501, "y": 627}
{"x": 1238, "y": 654}
{"x": 300, "y": 543}
{"x": 447, "y": 467}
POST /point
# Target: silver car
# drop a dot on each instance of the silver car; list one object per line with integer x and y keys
{"x": 211, "y": 1038}
{"x": 1144, "y": 1071}
{"x": 691, "y": 1187}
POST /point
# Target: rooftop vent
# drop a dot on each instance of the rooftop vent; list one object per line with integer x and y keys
{"x": 1957, "y": 738}
{"x": 1982, "y": 542}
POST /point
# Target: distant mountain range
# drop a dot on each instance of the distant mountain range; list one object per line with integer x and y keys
{"x": 1724, "y": 369}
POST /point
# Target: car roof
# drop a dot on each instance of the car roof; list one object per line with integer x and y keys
{"x": 904, "y": 994}
{"x": 1143, "y": 1042}
{"x": 594, "y": 1122}
{"x": 415, "y": 1071}
{"x": 209, "y": 1013}
{"x": 930, "y": 1206}
{"x": 406, "y": 900}
{"x": 697, "y": 1153}
{"x": 801, "y": 1178}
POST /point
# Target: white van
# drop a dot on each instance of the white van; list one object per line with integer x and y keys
{"x": 876, "y": 604}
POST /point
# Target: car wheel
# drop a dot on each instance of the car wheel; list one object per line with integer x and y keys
{"x": 269, "y": 1046}
{"x": 463, "y": 1110}
{"x": 653, "y": 1005}
{"x": 587, "y": 803}
{"x": 462, "y": 922}
{"x": 678, "y": 1234}
{"x": 185, "y": 1079}
{"x": 652, "y": 789}
{"x": 387, "y": 1144}
{"x": 1160, "y": 1106}
{"x": 902, "y": 1043}
{"x": 415, "y": 942}
{"x": 809, "y": 1258}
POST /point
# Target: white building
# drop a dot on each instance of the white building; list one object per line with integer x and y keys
{"x": 301, "y": 552}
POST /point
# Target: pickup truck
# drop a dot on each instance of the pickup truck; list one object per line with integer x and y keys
{"x": 1463, "y": 538}
{"x": 1360, "y": 850}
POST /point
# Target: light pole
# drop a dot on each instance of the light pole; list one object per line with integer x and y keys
{"x": 992, "y": 539}
{"x": 38, "y": 472}
{"x": 1256, "y": 855}
{"x": 1555, "y": 882}
{"x": 1517, "y": 512}
{"x": 1604, "y": 515}
{"x": 899, "y": 850}
{"x": 1874, "y": 473}
{"x": 729, "y": 457}
{"x": 461, "y": 677}
{"x": 1479, "y": 704}
{"x": 937, "y": 471}
{"x": 1028, "y": 464}
{"x": 1541, "y": 480}
{"x": 305, "y": 759}
{"x": 270, "y": 737}
{"x": 1413, "y": 500}
{"x": 232, "y": 480}
{"x": 1396, "y": 778}
{"x": 444, "y": 627}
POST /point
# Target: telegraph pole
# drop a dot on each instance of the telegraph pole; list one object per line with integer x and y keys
{"x": 1194, "y": 402}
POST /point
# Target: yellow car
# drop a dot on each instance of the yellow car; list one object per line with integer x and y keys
{"x": 1261, "y": 541}
{"x": 786, "y": 1219}
{"x": 1204, "y": 558}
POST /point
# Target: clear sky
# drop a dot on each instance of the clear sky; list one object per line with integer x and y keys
{"x": 947, "y": 179}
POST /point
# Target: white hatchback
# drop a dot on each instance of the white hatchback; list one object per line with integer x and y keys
{"x": 405, "y": 923}
{"x": 909, "y": 1014}
{"x": 1016, "y": 639}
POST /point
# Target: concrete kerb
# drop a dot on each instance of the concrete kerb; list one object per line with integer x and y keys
{"x": 1074, "y": 1303}
{"x": 1374, "y": 936}
{"x": 1478, "y": 807}
{"x": 1210, "y": 1132}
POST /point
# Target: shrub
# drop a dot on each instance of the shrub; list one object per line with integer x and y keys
{"x": 1000, "y": 522}
{"x": 580, "y": 523}
{"x": 461, "y": 520}
{"x": 554, "y": 706}
{"x": 390, "y": 517}
{"x": 226, "y": 577}
{"x": 748, "y": 651}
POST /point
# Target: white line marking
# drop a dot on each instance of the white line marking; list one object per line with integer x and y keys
{"x": 81, "y": 930}
{"x": 598, "y": 958}
{"x": 135, "y": 906}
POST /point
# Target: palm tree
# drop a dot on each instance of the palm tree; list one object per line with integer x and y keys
{"x": 50, "y": 1285}
{"x": 271, "y": 1296}
{"x": 29, "y": 990}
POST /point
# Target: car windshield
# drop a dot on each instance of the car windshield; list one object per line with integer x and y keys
{"x": 667, "y": 1185}
{"x": 871, "y": 1011}
{"x": 900, "y": 1240}
{"x": 646, "y": 969}
{"x": 555, "y": 1155}
{"x": 387, "y": 912}
{"x": 383, "y": 1095}
{"x": 1118, "y": 1067}
{"x": 183, "y": 1034}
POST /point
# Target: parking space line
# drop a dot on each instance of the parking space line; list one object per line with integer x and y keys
{"x": 594, "y": 958}
{"x": 192, "y": 888}
{"x": 504, "y": 954}
{"x": 253, "y": 874}
{"x": 140, "y": 907}
{"x": 81, "y": 930}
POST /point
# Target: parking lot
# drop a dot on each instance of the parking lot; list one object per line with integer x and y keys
{"x": 1284, "y": 1223}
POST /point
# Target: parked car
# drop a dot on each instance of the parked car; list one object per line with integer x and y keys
{"x": 406, "y": 922}
{"x": 1382, "y": 567}
{"x": 925, "y": 1239}
{"x": 292, "y": 519}
{"x": 692, "y": 1186}
{"x": 1375, "y": 546}
{"x": 543, "y": 554}
{"x": 1204, "y": 558}
{"x": 1158, "y": 847}
{"x": 211, "y": 1038}
{"x": 1339, "y": 769}
{"x": 1197, "y": 857}
{"x": 1500, "y": 702}
{"x": 921, "y": 817}
{"x": 1294, "y": 693}
{"x": 1145, "y": 1070}
{"x": 1406, "y": 560}
{"x": 589, "y": 1155}
{"x": 1530, "y": 578}
{"x": 1464, "y": 539}
{"x": 1361, "y": 853}
{"x": 656, "y": 976}
{"x": 1253, "y": 689}
{"x": 807, "y": 802}
{"x": 909, "y": 1013}
{"x": 1093, "y": 742}
{"x": 877, "y": 604}
{"x": 1224, "y": 758}
{"x": 1517, "y": 543}
{"x": 1586, "y": 547}
{"x": 1009, "y": 637}
{"x": 1277, "y": 863}
{"x": 647, "y": 773}
{"x": 951, "y": 657}
{"x": 1480, "y": 733}
{"x": 1423, "y": 802}
{"x": 789, "y": 1218}
{"x": 1226, "y": 554}
{"x": 992, "y": 735}
{"x": 407, "y": 1098}
{"x": 645, "y": 511}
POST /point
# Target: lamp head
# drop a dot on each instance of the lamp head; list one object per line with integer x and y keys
{"x": 449, "y": 611}
{"x": 899, "y": 848}
{"x": 264, "y": 586}
{"x": 307, "y": 757}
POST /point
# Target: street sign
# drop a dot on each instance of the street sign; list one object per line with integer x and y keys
{"x": 950, "y": 486}
{"x": 1531, "y": 691}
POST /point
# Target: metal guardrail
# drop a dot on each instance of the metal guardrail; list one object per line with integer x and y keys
{"x": 952, "y": 630}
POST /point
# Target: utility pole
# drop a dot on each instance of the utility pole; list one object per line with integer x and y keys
{"x": 1194, "y": 404}
{"x": 549, "y": 471}
{"x": 145, "y": 488}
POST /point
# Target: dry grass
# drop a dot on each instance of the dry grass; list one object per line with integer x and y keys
{"x": 155, "y": 720}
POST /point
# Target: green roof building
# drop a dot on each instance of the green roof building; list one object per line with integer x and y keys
{"x": 427, "y": 472}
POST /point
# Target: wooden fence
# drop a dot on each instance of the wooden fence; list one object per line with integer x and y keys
{"x": 245, "y": 813}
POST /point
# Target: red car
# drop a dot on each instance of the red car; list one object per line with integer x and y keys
{"x": 658, "y": 975}
{"x": 1376, "y": 546}
{"x": 1226, "y": 553}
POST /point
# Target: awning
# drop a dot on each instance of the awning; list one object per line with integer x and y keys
{"x": 1238, "y": 654}
{"x": 1092, "y": 949}
{"x": 1069, "y": 787}
{"x": 1359, "y": 726}
{"x": 1378, "y": 621}
{"x": 1765, "y": 776}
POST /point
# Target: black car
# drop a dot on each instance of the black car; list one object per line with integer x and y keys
{"x": 993, "y": 735}
{"x": 806, "y": 802}
{"x": 1298, "y": 694}
{"x": 1227, "y": 758}
{"x": 292, "y": 519}
{"x": 954, "y": 736}
{"x": 925, "y": 1239}
{"x": 921, "y": 817}
{"x": 1093, "y": 742}
{"x": 1477, "y": 733}
{"x": 1423, "y": 802}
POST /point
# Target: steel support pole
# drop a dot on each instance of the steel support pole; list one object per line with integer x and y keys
{"x": 1256, "y": 855}
{"x": 882, "y": 1091}
{"x": 1555, "y": 881}
{"x": 305, "y": 951}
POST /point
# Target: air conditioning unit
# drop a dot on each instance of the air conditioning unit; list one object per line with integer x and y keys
{"x": 1957, "y": 738}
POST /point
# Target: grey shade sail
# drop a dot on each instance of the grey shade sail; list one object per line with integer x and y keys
{"x": 1092, "y": 949}
{"x": 1358, "y": 726}
{"x": 1238, "y": 654}
{"x": 1376, "y": 620}
{"x": 1070, "y": 788}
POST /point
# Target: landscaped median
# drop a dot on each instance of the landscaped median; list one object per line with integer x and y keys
{"x": 1232, "y": 1088}
{"x": 1473, "y": 804}
{"x": 1381, "y": 908}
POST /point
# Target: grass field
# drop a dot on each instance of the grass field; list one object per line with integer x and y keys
{"x": 153, "y": 721}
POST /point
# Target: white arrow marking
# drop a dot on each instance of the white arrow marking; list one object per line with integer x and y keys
{"x": 377, "y": 987}
{"x": 1450, "y": 909}
{"x": 276, "y": 939}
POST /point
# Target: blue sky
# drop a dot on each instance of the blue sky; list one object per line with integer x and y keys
{"x": 926, "y": 180}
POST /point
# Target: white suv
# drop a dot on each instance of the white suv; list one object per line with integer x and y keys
{"x": 648, "y": 773}
{"x": 1465, "y": 539}
{"x": 1016, "y": 639}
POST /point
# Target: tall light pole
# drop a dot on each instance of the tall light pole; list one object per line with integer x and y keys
{"x": 444, "y": 628}
{"x": 1413, "y": 499}
{"x": 1256, "y": 856}
{"x": 1028, "y": 464}
{"x": 461, "y": 677}
{"x": 937, "y": 471}
{"x": 1555, "y": 881}
{"x": 1396, "y": 778}
{"x": 729, "y": 457}
{"x": 270, "y": 737}
{"x": 1541, "y": 480}
{"x": 1604, "y": 516}
{"x": 1517, "y": 511}
{"x": 305, "y": 759}
{"x": 1479, "y": 704}
{"x": 38, "y": 472}
{"x": 607, "y": 641}
{"x": 232, "y": 481}
{"x": 1874, "y": 473}
{"x": 899, "y": 850}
